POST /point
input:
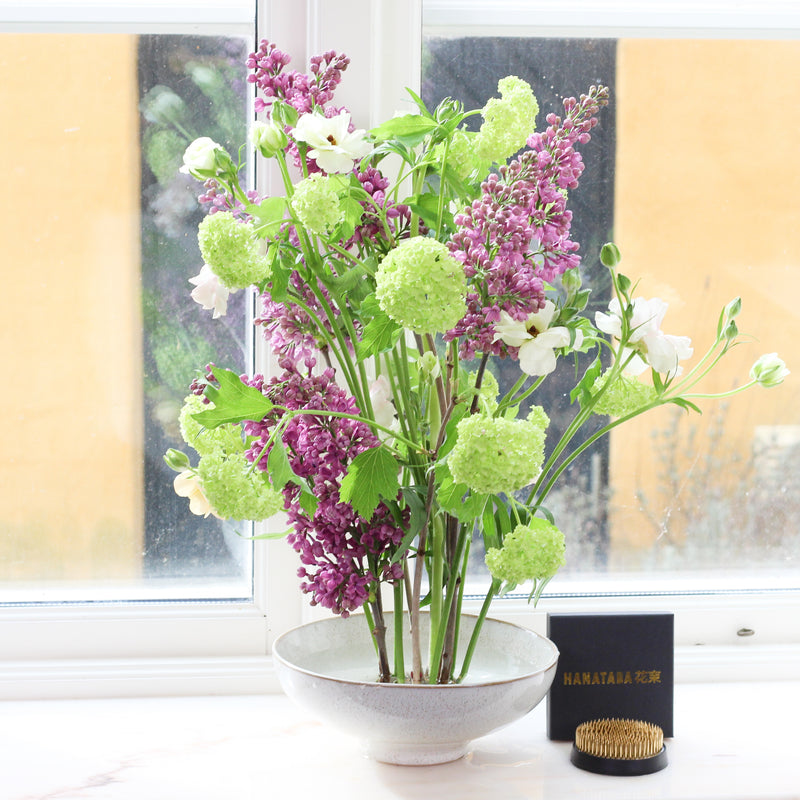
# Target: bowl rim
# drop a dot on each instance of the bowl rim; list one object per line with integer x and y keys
{"x": 551, "y": 664}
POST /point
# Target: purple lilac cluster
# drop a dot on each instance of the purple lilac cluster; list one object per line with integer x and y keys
{"x": 216, "y": 198}
{"x": 371, "y": 229}
{"x": 515, "y": 237}
{"x": 339, "y": 550}
{"x": 289, "y": 329}
{"x": 302, "y": 92}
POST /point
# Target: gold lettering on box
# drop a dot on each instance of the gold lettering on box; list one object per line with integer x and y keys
{"x": 612, "y": 678}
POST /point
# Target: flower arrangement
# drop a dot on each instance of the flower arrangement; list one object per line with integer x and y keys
{"x": 399, "y": 266}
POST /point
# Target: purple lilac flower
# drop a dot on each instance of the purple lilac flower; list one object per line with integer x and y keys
{"x": 340, "y": 551}
{"x": 288, "y": 328}
{"x": 302, "y": 92}
{"x": 515, "y": 237}
{"x": 216, "y": 198}
{"x": 371, "y": 228}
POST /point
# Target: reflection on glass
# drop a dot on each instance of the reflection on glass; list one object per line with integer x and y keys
{"x": 692, "y": 173}
{"x": 98, "y": 339}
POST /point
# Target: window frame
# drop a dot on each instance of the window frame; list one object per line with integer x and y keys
{"x": 159, "y": 648}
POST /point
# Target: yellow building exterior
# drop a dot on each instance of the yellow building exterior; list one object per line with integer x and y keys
{"x": 707, "y": 209}
{"x": 71, "y": 484}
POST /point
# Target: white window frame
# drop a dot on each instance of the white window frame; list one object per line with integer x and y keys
{"x": 105, "y": 649}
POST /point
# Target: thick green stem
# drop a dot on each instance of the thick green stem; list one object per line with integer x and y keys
{"x": 494, "y": 588}
{"x": 399, "y": 657}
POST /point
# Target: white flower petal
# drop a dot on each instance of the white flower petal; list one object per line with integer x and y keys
{"x": 553, "y": 337}
{"x": 209, "y": 292}
{"x": 512, "y": 331}
{"x": 542, "y": 318}
{"x": 331, "y": 144}
{"x": 536, "y": 359}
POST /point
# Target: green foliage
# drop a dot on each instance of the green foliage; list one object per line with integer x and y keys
{"x": 234, "y": 401}
{"x": 371, "y": 476}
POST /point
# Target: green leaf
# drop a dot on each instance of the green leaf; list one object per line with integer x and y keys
{"x": 583, "y": 391}
{"x": 278, "y": 466}
{"x": 233, "y": 401}
{"x": 308, "y": 502}
{"x": 270, "y": 213}
{"x": 426, "y": 206}
{"x": 371, "y": 475}
{"x": 279, "y": 281}
{"x": 380, "y": 334}
{"x": 686, "y": 405}
{"x": 409, "y": 129}
{"x": 457, "y": 499}
{"x": 420, "y": 103}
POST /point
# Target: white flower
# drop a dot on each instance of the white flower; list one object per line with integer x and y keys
{"x": 536, "y": 340}
{"x": 331, "y": 144}
{"x": 648, "y": 344}
{"x": 200, "y": 157}
{"x": 514, "y": 332}
{"x": 187, "y": 485}
{"x": 209, "y": 292}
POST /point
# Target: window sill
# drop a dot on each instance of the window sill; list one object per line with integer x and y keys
{"x": 733, "y": 741}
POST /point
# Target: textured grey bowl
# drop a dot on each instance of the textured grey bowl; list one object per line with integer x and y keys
{"x": 329, "y": 667}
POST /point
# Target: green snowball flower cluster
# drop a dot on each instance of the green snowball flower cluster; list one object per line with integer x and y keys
{"x": 316, "y": 203}
{"x": 232, "y": 250}
{"x": 463, "y": 157}
{"x": 421, "y": 286}
{"x": 532, "y": 552}
{"x": 496, "y": 455}
{"x": 225, "y": 438}
{"x": 508, "y": 120}
{"x": 623, "y": 396}
{"x": 234, "y": 490}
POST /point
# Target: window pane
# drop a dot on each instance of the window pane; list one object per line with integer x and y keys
{"x": 692, "y": 173}
{"x": 99, "y": 337}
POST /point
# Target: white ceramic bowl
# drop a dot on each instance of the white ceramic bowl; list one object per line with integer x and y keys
{"x": 330, "y": 668}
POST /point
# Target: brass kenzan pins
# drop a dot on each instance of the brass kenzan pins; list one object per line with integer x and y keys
{"x": 619, "y": 747}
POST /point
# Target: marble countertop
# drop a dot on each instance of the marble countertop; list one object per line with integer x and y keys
{"x": 732, "y": 742}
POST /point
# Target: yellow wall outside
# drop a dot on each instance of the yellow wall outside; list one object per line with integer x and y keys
{"x": 71, "y": 472}
{"x": 699, "y": 231}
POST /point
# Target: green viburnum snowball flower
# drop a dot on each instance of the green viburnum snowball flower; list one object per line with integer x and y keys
{"x": 421, "y": 286}
{"x": 234, "y": 490}
{"x": 532, "y": 552}
{"x": 496, "y": 455}
{"x": 623, "y": 396}
{"x": 508, "y": 121}
{"x": 463, "y": 157}
{"x": 225, "y": 438}
{"x": 231, "y": 249}
{"x": 316, "y": 203}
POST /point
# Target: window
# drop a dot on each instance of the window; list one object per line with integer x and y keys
{"x": 86, "y": 499}
{"x": 145, "y": 617}
{"x": 675, "y": 181}
{"x": 196, "y": 645}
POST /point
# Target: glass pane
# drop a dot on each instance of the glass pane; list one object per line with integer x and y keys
{"x": 692, "y": 173}
{"x": 99, "y": 336}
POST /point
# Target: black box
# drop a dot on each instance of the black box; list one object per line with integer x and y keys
{"x": 611, "y": 665}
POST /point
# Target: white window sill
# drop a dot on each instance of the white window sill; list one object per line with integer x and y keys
{"x": 733, "y": 741}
